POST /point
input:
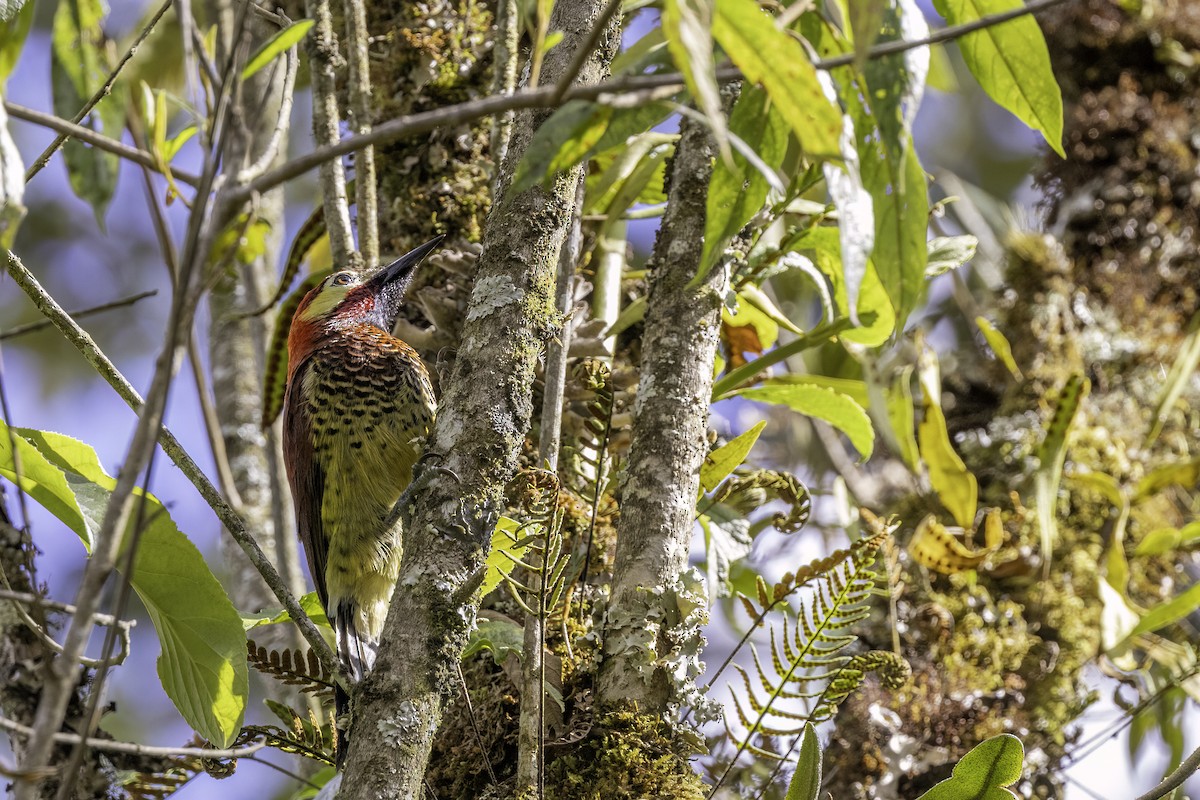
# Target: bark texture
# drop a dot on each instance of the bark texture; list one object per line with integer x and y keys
{"x": 651, "y": 641}
{"x": 481, "y": 427}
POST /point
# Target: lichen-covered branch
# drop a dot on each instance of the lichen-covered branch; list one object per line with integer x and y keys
{"x": 323, "y": 59}
{"x": 645, "y": 629}
{"x": 481, "y": 427}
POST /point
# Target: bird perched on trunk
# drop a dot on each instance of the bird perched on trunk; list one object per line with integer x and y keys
{"x": 358, "y": 406}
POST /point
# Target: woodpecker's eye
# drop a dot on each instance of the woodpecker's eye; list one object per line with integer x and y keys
{"x": 342, "y": 279}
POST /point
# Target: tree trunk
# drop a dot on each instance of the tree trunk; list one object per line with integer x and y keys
{"x": 481, "y": 426}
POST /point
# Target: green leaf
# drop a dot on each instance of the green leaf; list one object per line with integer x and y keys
{"x": 1051, "y": 455}
{"x": 1182, "y": 370}
{"x": 561, "y": 142}
{"x": 276, "y": 46}
{"x": 866, "y": 19}
{"x": 78, "y": 69}
{"x": 737, "y": 190}
{"x": 43, "y": 481}
{"x": 876, "y": 319}
{"x": 688, "y": 27}
{"x": 1011, "y": 63}
{"x": 625, "y": 123}
{"x": 983, "y": 773}
{"x": 728, "y": 457}
{"x": 956, "y": 487}
{"x": 501, "y": 554}
{"x": 900, "y": 197}
{"x": 898, "y": 401}
{"x": 13, "y": 32}
{"x": 500, "y": 637}
{"x": 999, "y": 344}
{"x": 310, "y": 603}
{"x": 806, "y": 781}
{"x": 853, "y": 388}
{"x": 944, "y": 253}
{"x": 771, "y": 57}
{"x": 203, "y": 662}
{"x": 838, "y": 409}
{"x": 1169, "y": 612}
{"x": 1181, "y": 473}
{"x": 1164, "y": 540}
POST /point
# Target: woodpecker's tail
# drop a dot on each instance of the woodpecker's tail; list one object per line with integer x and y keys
{"x": 357, "y": 651}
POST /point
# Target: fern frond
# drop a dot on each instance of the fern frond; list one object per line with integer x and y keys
{"x": 298, "y": 667}
{"x": 809, "y": 650}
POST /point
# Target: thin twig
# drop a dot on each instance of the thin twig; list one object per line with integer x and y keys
{"x": 37, "y": 325}
{"x": 100, "y": 94}
{"x": 39, "y": 629}
{"x": 282, "y": 122}
{"x": 631, "y": 90}
{"x": 135, "y": 749}
{"x": 322, "y": 58}
{"x": 98, "y": 140}
{"x": 483, "y": 753}
{"x": 504, "y": 80}
{"x": 366, "y": 201}
{"x": 233, "y": 523}
{"x": 1185, "y": 770}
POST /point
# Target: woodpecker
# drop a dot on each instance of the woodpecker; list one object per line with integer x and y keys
{"x": 357, "y": 408}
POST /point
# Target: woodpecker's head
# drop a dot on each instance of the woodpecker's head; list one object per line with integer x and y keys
{"x": 347, "y": 298}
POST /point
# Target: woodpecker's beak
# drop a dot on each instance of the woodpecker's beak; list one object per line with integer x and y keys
{"x": 391, "y": 282}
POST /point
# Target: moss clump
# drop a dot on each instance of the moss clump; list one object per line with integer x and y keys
{"x": 627, "y": 755}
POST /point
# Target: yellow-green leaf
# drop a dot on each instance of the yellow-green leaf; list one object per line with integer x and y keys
{"x": 999, "y": 344}
{"x": 1051, "y": 455}
{"x": 728, "y": 457}
{"x": 561, "y": 142}
{"x": 687, "y": 24}
{"x": 203, "y": 662}
{"x": 771, "y": 57}
{"x": 276, "y": 46}
{"x": 501, "y": 555}
{"x": 983, "y": 773}
{"x": 838, "y": 409}
{"x": 956, "y": 487}
{"x": 1011, "y": 63}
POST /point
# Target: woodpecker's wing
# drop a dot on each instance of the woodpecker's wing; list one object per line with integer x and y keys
{"x": 307, "y": 480}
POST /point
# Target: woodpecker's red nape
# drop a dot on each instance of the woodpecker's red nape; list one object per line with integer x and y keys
{"x": 358, "y": 406}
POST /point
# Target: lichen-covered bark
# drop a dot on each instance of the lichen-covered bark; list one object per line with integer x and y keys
{"x": 650, "y": 646}
{"x": 482, "y": 422}
{"x": 1108, "y": 293}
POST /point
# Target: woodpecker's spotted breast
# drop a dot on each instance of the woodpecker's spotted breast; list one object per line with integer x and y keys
{"x": 359, "y": 404}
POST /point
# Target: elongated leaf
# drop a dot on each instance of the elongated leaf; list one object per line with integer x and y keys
{"x": 956, "y": 487}
{"x": 12, "y": 185}
{"x": 728, "y": 457}
{"x": 561, "y": 142}
{"x": 203, "y": 662}
{"x": 1011, "y": 63}
{"x": 771, "y": 57}
{"x": 806, "y": 782}
{"x": 78, "y": 69}
{"x": 1181, "y": 373}
{"x": 17, "y": 21}
{"x": 999, "y": 344}
{"x": 983, "y": 773}
{"x": 45, "y": 483}
{"x": 276, "y": 46}
{"x": 876, "y": 319}
{"x": 687, "y": 25}
{"x": 1051, "y": 455}
{"x": 899, "y": 404}
{"x": 737, "y": 191}
{"x": 503, "y": 550}
{"x": 309, "y": 602}
{"x": 839, "y": 410}
{"x": 1171, "y": 611}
